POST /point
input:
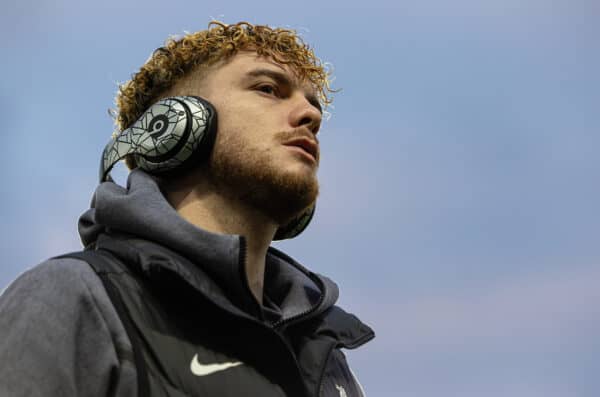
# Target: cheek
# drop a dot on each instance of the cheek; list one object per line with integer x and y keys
{"x": 247, "y": 124}
{"x": 233, "y": 135}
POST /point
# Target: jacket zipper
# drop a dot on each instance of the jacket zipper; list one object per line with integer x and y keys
{"x": 258, "y": 308}
{"x": 305, "y": 313}
{"x": 242, "y": 261}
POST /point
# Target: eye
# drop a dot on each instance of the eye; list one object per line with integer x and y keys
{"x": 269, "y": 89}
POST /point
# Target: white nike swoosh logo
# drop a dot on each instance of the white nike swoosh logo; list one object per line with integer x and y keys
{"x": 199, "y": 369}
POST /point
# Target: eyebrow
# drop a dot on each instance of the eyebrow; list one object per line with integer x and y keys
{"x": 283, "y": 79}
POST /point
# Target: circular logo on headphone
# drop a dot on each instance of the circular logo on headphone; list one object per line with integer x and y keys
{"x": 158, "y": 126}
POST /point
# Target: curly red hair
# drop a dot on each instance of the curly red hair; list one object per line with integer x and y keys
{"x": 219, "y": 42}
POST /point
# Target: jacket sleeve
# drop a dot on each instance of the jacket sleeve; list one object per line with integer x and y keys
{"x": 60, "y": 336}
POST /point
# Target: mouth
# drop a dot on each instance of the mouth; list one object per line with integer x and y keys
{"x": 307, "y": 145}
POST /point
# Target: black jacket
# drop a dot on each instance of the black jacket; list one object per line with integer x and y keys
{"x": 195, "y": 328}
{"x": 183, "y": 325}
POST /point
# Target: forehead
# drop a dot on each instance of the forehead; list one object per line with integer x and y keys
{"x": 242, "y": 64}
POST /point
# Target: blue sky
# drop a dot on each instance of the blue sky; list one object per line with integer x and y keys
{"x": 459, "y": 205}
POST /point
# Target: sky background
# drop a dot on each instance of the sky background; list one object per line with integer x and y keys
{"x": 459, "y": 204}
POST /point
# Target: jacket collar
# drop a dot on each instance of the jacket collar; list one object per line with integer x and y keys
{"x": 160, "y": 237}
{"x": 148, "y": 232}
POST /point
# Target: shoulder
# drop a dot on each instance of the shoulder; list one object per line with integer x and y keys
{"x": 62, "y": 291}
{"x": 56, "y": 281}
{"x": 61, "y": 334}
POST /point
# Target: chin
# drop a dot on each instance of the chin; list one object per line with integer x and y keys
{"x": 290, "y": 195}
{"x": 281, "y": 188}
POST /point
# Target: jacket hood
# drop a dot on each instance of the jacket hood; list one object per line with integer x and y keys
{"x": 214, "y": 263}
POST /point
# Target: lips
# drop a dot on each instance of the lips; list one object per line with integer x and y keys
{"x": 306, "y": 144}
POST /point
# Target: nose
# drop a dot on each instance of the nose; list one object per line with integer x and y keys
{"x": 305, "y": 114}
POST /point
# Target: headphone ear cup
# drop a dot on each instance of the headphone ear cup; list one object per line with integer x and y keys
{"x": 296, "y": 226}
{"x": 171, "y": 134}
{"x": 174, "y": 131}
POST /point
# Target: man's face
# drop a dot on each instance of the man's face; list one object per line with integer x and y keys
{"x": 266, "y": 152}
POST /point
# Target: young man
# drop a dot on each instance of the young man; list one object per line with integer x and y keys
{"x": 179, "y": 292}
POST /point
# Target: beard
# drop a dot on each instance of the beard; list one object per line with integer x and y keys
{"x": 253, "y": 177}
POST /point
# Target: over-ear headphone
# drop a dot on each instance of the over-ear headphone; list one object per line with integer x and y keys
{"x": 172, "y": 134}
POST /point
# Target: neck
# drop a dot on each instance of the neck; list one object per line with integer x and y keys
{"x": 200, "y": 204}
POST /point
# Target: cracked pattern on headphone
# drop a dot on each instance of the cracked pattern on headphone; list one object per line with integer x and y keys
{"x": 157, "y": 139}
